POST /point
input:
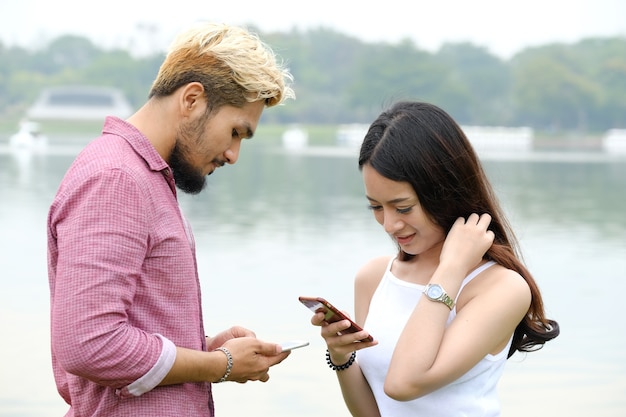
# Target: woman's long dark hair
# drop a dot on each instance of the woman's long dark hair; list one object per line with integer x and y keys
{"x": 422, "y": 145}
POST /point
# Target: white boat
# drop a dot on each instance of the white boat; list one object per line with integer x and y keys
{"x": 351, "y": 134}
{"x": 79, "y": 103}
{"x": 295, "y": 138}
{"x": 614, "y": 141}
{"x": 499, "y": 138}
{"x": 28, "y": 137}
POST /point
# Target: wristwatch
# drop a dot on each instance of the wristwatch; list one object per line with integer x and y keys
{"x": 435, "y": 292}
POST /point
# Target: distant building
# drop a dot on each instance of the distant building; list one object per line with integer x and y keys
{"x": 351, "y": 134}
{"x": 79, "y": 103}
{"x": 614, "y": 141}
{"x": 295, "y": 137}
{"x": 499, "y": 138}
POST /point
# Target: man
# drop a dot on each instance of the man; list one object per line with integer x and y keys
{"x": 126, "y": 318}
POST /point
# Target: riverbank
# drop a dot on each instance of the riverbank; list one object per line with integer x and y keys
{"x": 568, "y": 142}
{"x": 318, "y": 135}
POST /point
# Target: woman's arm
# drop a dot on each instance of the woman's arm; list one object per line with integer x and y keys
{"x": 428, "y": 355}
{"x": 354, "y": 387}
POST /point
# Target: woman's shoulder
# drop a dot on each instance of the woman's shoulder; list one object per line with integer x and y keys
{"x": 366, "y": 281}
{"x": 498, "y": 282}
{"x": 501, "y": 276}
{"x": 371, "y": 272}
{"x": 375, "y": 265}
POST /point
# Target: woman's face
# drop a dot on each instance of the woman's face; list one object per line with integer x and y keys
{"x": 396, "y": 207}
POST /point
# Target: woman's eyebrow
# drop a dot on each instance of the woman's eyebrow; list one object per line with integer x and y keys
{"x": 394, "y": 201}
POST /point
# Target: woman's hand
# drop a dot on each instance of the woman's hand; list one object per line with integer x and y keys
{"x": 467, "y": 242}
{"x": 340, "y": 345}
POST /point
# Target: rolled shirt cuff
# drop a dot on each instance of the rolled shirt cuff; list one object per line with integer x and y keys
{"x": 155, "y": 375}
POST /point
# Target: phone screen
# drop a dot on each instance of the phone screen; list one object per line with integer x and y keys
{"x": 331, "y": 313}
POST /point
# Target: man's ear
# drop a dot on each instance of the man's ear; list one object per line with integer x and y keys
{"x": 192, "y": 98}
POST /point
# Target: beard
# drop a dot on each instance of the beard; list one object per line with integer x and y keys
{"x": 188, "y": 178}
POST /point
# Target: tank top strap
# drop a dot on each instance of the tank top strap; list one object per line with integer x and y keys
{"x": 478, "y": 270}
{"x": 473, "y": 275}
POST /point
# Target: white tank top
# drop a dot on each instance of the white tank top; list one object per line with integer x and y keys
{"x": 473, "y": 394}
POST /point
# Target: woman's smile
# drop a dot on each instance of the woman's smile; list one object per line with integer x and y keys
{"x": 405, "y": 239}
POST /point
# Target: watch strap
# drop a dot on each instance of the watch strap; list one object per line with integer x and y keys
{"x": 443, "y": 298}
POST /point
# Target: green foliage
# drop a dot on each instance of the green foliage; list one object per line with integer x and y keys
{"x": 480, "y": 82}
{"x": 340, "y": 79}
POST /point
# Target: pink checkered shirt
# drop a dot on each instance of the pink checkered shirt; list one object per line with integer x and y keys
{"x": 124, "y": 285}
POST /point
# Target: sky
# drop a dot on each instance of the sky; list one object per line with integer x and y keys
{"x": 503, "y": 27}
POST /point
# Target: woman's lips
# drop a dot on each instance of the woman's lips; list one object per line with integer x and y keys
{"x": 404, "y": 240}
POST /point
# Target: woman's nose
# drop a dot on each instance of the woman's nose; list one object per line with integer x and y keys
{"x": 391, "y": 222}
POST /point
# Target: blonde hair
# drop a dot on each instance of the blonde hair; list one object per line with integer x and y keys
{"x": 232, "y": 64}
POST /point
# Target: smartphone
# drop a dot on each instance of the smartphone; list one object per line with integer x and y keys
{"x": 331, "y": 314}
{"x": 293, "y": 344}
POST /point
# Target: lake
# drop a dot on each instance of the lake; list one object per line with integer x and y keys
{"x": 281, "y": 224}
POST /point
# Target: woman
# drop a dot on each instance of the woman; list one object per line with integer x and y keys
{"x": 456, "y": 301}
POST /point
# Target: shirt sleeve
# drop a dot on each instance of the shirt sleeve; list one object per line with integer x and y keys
{"x": 102, "y": 236}
{"x": 155, "y": 375}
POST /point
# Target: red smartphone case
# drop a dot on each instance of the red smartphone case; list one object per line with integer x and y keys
{"x": 331, "y": 313}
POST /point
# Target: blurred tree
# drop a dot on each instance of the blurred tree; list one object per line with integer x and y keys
{"x": 340, "y": 79}
{"x": 67, "y": 51}
{"x": 482, "y": 82}
{"x": 551, "y": 91}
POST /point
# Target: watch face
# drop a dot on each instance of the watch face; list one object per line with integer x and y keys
{"x": 434, "y": 291}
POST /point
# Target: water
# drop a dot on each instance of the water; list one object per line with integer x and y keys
{"x": 279, "y": 225}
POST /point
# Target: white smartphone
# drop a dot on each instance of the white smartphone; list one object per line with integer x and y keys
{"x": 293, "y": 344}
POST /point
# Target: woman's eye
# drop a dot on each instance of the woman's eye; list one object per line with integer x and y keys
{"x": 374, "y": 208}
{"x": 404, "y": 210}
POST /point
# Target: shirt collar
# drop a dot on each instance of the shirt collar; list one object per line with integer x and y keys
{"x": 137, "y": 140}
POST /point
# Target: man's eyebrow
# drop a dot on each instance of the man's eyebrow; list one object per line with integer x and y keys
{"x": 249, "y": 131}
